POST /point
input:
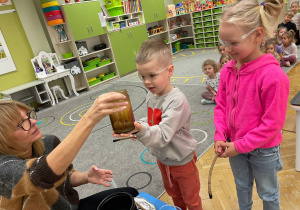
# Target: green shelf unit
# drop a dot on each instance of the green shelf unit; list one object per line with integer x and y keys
{"x": 154, "y": 10}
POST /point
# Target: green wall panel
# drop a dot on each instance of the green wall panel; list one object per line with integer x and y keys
{"x": 20, "y": 50}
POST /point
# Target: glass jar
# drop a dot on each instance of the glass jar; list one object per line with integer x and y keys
{"x": 123, "y": 121}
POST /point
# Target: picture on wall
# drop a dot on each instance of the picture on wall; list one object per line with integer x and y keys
{"x": 6, "y": 61}
{"x": 5, "y": 2}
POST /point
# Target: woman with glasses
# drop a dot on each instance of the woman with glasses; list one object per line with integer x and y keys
{"x": 251, "y": 102}
{"x": 36, "y": 171}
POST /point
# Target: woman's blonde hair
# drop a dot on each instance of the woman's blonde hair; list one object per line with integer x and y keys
{"x": 210, "y": 62}
{"x": 249, "y": 14}
{"x": 9, "y": 115}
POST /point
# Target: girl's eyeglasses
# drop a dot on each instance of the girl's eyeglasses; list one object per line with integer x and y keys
{"x": 152, "y": 76}
{"x": 26, "y": 124}
{"x": 235, "y": 43}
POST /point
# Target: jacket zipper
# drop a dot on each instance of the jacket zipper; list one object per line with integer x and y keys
{"x": 233, "y": 111}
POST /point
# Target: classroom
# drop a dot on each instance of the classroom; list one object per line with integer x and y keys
{"x": 61, "y": 57}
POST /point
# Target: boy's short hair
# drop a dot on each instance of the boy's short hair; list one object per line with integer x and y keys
{"x": 210, "y": 62}
{"x": 154, "y": 48}
{"x": 289, "y": 13}
{"x": 294, "y": 2}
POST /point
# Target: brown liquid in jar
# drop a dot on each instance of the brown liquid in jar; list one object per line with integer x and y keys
{"x": 123, "y": 121}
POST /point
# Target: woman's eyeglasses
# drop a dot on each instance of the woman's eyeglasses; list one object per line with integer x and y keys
{"x": 235, "y": 43}
{"x": 26, "y": 124}
{"x": 151, "y": 76}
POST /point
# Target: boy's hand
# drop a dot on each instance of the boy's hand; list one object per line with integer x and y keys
{"x": 137, "y": 126}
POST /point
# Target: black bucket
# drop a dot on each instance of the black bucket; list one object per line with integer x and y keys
{"x": 118, "y": 201}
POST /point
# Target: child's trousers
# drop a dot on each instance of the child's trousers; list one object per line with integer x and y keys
{"x": 290, "y": 58}
{"x": 185, "y": 183}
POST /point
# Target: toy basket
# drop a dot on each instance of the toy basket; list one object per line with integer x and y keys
{"x": 217, "y": 10}
{"x": 115, "y": 11}
{"x": 95, "y": 81}
{"x": 102, "y": 63}
{"x": 198, "y": 36}
{"x": 209, "y": 29}
{"x": 197, "y": 14}
{"x": 209, "y": 34}
{"x": 199, "y": 30}
{"x": 208, "y": 24}
{"x": 91, "y": 62}
{"x": 200, "y": 46}
{"x": 210, "y": 45}
{"x": 88, "y": 68}
{"x": 108, "y": 76}
{"x": 177, "y": 45}
{"x": 112, "y": 3}
{"x": 206, "y": 12}
{"x": 210, "y": 40}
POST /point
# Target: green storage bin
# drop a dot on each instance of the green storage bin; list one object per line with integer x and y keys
{"x": 112, "y": 3}
{"x": 197, "y": 14}
{"x": 102, "y": 63}
{"x": 108, "y": 76}
{"x": 207, "y": 23}
{"x": 217, "y": 10}
{"x": 198, "y": 20}
{"x": 216, "y": 33}
{"x": 216, "y": 28}
{"x": 217, "y": 17}
{"x": 200, "y": 40}
{"x": 198, "y": 36}
{"x": 88, "y": 68}
{"x": 209, "y": 29}
{"x": 91, "y": 62}
{"x": 67, "y": 55}
{"x": 94, "y": 82}
{"x": 206, "y": 12}
{"x": 209, "y": 34}
{"x": 208, "y": 18}
{"x": 200, "y": 46}
{"x": 198, "y": 25}
{"x": 191, "y": 46}
{"x": 209, "y": 40}
{"x": 216, "y": 22}
{"x": 177, "y": 45}
{"x": 210, "y": 45}
{"x": 115, "y": 11}
{"x": 199, "y": 30}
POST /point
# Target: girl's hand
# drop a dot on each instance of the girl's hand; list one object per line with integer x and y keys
{"x": 137, "y": 126}
{"x": 96, "y": 175}
{"x": 104, "y": 105}
{"x": 230, "y": 150}
{"x": 218, "y": 148}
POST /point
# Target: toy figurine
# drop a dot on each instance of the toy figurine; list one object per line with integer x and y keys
{"x": 62, "y": 35}
{"x": 183, "y": 21}
{"x": 173, "y": 24}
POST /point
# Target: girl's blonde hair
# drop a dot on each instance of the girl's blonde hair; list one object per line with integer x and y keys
{"x": 290, "y": 35}
{"x": 210, "y": 62}
{"x": 9, "y": 115}
{"x": 249, "y": 14}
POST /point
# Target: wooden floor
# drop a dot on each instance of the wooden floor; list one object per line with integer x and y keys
{"x": 223, "y": 187}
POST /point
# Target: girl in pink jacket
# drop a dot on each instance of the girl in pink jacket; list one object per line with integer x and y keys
{"x": 251, "y": 102}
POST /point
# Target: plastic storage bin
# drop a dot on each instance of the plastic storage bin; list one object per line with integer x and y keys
{"x": 210, "y": 40}
{"x": 191, "y": 46}
{"x": 217, "y": 10}
{"x": 184, "y": 46}
{"x": 210, "y": 45}
{"x": 112, "y": 3}
{"x": 208, "y": 18}
{"x": 200, "y": 46}
{"x": 115, "y": 11}
{"x": 206, "y": 12}
{"x": 216, "y": 22}
{"x": 207, "y": 23}
{"x": 209, "y": 29}
{"x": 108, "y": 76}
{"x": 88, "y": 68}
{"x": 200, "y": 40}
{"x": 102, "y": 63}
{"x": 198, "y": 36}
{"x": 209, "y": 34}
{"x": 197, "y": 20}
{"x": 198, "y": 25}
{"x": 91, "y": 62}
{"x": 174, "y": 49}
{"x": 197, "y": 14}
{"x": 67, "y": 55}
{"x": 199, "y": 30}
{"x": 94, "y": 82}
{"x": 177, "y": 45}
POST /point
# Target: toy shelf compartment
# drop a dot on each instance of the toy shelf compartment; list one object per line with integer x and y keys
{"x": 99, "y": 66}
{"x": 122, "y": 21}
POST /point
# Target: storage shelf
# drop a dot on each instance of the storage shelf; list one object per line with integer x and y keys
{"x": 64, "y": 42}
{"x": 95, "y": 52}
{"x": 92, "y": 70}
{"x": 187, "y": 37}
{"x": 66, "y": 59}
{"x": 114, "y": 17}
{"x": 102, "y": 82}
{"x": 179, "y": 27}
{"x": 157, "y": 34}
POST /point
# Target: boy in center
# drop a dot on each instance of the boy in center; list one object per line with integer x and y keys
{"x": 166, "y": 129}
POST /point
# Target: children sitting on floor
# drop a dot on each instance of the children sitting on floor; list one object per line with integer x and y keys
{"x": 279, "y": 33}
{"x": 270, "y": 47}
{"x": 211, "y": 82}
{"x": 221, "y": 49}
{"x": 289, "y": 48}
{"x": 296, "y": 19}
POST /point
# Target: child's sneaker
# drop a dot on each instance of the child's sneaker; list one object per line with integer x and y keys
{"x": 288, "y": 63}
{"x": 204, "y": 101}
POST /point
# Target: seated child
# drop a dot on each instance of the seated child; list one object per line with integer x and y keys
{"x": 287, "y": 23}
{"x": 221, "y": 49}
{"x": 166, "y": 130}
{"x": 289, "y": 49}
{"x": 210, "y": 68}
{"x": 270, "y": 47}
{"x": 224, "y": 59}
{"x": 279, "y": 33}
{"x": 296, "y": 19}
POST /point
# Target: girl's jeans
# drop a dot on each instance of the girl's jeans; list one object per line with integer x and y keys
{"x": 262, "y": 166}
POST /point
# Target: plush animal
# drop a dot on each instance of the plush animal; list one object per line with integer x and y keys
{"x": 82, "y": 51}
{"x": 75, "y": 70}
{"x": 62, "y": 34}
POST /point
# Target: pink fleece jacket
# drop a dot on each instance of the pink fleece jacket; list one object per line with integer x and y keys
{"x": 251, "y": 104}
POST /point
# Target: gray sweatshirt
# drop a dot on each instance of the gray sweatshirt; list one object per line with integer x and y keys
{"x": 166, "y": 130}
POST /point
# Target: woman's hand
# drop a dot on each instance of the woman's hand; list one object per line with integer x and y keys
{"x": 137, "y": 128}
{"x": 96, "y": 175}
{"x": 104, "y": 105}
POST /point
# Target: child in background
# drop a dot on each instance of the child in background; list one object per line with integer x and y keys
{"x": 287, "y": 23}
{"x": 224, "y": 59}
{"x": 166, "y": 130}
{"x": 271, "y": 48}
{"x": 278, "y": 49}
{"x": 211, "y": 82}
{"x": 221, "y": 50}
{"x": 289, "y": 49}
{"x": 251, "y": 102}
{"x": 296, "y": 19}
{"x": 279, "y": 33}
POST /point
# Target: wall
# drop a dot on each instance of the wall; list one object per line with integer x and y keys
{"x": 19, "y": 48}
